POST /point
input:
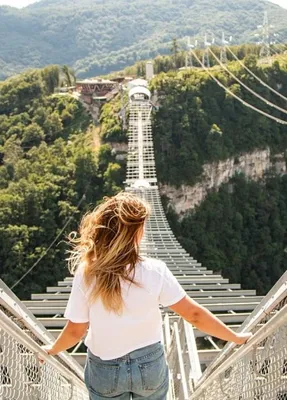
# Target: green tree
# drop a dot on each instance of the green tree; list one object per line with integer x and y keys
{"x": 49, "y": 173}
{"x": 51, "y": 77}
{"x": 68, "y": 76}
{"x": 33, "y": 135}
{"x": 175, "y": 52}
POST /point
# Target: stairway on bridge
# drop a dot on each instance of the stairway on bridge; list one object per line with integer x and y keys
{"x": 228, "y": 301}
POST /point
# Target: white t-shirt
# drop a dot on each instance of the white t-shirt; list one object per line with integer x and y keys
{"x": 112, "y": 336}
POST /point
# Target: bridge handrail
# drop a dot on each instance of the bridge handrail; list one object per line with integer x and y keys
{"x": 22, "y": 375}
{"x": 10, "y": 302}
{"x": 15, "y": 331}
{"x": 266, "y": 317}
{"x": 279, "y": 320}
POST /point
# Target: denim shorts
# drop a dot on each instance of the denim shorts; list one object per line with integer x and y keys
{"x": 143, "y": 373}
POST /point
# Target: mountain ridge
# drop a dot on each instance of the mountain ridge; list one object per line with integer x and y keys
{"x": 101, "y": 37}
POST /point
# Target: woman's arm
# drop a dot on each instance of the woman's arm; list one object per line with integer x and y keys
{"x": 69, "y": 337}
{"x": 204, "y": 320}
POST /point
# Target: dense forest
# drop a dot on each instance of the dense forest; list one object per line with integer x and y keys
{"x": 52, "y": 169}
{"x": 97, "y": 37}
{"x": 180, "y": 59}
{"x": 55, "y": 164}
{"x": 198, "y": 122}
{"x": 240, "y": 231}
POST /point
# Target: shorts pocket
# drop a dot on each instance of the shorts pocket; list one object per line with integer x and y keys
{"x": 154, "y": 373}
{"x": 101, "y": 378}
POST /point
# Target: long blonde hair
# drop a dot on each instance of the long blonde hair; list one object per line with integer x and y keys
{"x": 108, "y": 245}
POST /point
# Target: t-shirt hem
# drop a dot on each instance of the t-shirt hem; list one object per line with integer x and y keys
{"x": 137, "y": 347}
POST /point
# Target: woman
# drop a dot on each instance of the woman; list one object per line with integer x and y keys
{"x": 116, "y": 294}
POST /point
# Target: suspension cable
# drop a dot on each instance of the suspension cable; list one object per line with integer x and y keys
{"x": 280, "y": 121}
{"x": 245, "y": 86}
{"x": 51, "y": 245}
{"x": 274, "y": 52}
{"x": 255, "y": 76}
{"x": 281, "y": 42}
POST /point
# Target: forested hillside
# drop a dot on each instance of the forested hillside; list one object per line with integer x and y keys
{"x": 52, "y": 169}
{"x": 97, "y": 37}
{"x": 198, "y": 122}
{"x": 240, "y": 231}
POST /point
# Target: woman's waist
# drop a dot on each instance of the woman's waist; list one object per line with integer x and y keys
{"x": 135, "y": 353}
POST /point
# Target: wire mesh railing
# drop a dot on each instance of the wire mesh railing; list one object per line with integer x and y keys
{"x": 258, "y": 369}
{"x": 22, "y": 375}
{"x": 182, "y": 356}
{"x": 183, "y": 361}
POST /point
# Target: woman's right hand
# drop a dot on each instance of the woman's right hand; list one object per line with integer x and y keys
{"x": 241, "y": 338}
{"x": 205, "y": 321}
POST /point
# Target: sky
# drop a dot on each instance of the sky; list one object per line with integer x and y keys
{"x": 17, "y": 3}
{"x": 23, "y": 3}
{"x": 282, "y": 3}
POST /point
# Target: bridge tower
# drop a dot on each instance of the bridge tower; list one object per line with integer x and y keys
{"x": 223, "y": 53}
{"x": 265, "y": 51}
{"x": 205, "y": 56}
{"x": 188, "y": 57}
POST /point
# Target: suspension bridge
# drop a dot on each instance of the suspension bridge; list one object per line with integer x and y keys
{"x": 199, "y": 368}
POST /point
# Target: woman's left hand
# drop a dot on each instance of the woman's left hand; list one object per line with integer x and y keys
{"x": 48, "y": 348}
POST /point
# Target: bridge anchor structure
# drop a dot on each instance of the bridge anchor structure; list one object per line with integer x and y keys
{"x": 199, "y": 368}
